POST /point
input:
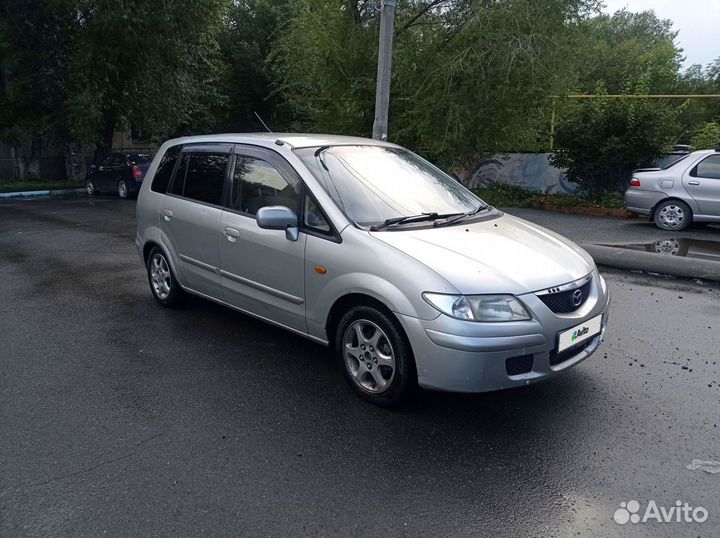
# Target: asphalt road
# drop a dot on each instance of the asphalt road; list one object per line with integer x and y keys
{"x": 612, "y": 230}
{"x": 122, "y": 418}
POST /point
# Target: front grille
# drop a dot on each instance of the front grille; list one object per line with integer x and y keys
{"x": 519, "y": 365}
{"x": 562, "y": 303}
{"x": 557, "y": 358}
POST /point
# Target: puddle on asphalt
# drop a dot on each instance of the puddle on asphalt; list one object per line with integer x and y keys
{"x": 689, "y": 248}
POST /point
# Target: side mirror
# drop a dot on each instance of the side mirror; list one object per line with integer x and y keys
{"x": 278, "y": 217}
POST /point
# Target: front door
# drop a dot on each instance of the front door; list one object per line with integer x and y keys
{"x": 190, "y": 216}
{"x": 703, "y": 183}
{"x": 262, "y": 271}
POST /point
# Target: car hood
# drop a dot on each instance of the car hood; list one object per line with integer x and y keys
{"x": 498, "y": 255}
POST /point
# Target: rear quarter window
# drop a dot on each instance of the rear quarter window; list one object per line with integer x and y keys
{"x": 165, "y": 169}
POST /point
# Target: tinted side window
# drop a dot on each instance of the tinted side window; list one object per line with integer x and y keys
{"x": 165, "y": 169}
{"x": 205, "y": 177}
{"x": 709, "y": 167}
{"x": 118, "y": 159}
{"x": 257, "y": 183}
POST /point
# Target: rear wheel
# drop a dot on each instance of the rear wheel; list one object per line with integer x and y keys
{"x": 90, "y": 188}
{"x": 375, "y": 356}
{"x": 122, "y": 189}
{"x": 163, "y": 284}
{"x": 673, "y": 215}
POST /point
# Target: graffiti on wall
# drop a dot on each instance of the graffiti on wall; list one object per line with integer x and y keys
{"x": 529, "y": 170}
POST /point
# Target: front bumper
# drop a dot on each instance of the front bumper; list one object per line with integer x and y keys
{"x": 464, "y": 356}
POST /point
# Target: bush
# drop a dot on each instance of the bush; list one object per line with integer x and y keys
{"x": 504, "y": 195}
{"x": 601, "y": 141}
{"x": 707, "y": 136}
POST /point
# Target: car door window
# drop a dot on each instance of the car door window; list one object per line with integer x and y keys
{"x": 105, "y": 163}
{"x": 257, "y": 183}
{"x": 118, "y": 160}
{"x": 708, "y": 168}
{"x": 204, "y": 177}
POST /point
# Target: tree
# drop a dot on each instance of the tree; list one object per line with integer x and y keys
{"x": 150, "y": 63}
{"x": 707, "y": 136}
{"x": 601, "y": 141}
{"x": 625, "y": 48}
{"x": 245, "y": 43}
{"x": 469, "y": 75}
{"x": 35, "y": 45}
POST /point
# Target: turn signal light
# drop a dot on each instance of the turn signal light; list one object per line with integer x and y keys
{"x": 137, "y": 173}
{"x": 634, "y": 182}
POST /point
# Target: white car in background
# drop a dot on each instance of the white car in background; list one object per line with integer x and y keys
{"x": 674, "y": 197}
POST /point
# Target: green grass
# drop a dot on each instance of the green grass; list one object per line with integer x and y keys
{"x": 503, "y": 195}
{"x": 37, "y": 185}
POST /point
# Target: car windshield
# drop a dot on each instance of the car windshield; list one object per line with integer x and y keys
{"x": 372, "y": 184}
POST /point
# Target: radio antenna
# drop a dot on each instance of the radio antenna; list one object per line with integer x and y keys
{"x": 261, "y": 121}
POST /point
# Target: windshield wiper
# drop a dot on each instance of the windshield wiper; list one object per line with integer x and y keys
{"x": 410, "y": 218}
{"x": 456, "y": 218}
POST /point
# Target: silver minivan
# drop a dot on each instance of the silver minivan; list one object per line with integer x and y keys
{"x": 365, "y": 247}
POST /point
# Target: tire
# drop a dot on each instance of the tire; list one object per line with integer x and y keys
{"x": 163, "y": 284}
{"x": 672, "y": 215}
{"x": 90, "y": 188}
{"x": 375, "y": 356}
{"x": 122, "y": 189}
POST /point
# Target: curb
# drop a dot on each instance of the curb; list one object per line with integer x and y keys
{"x": 653, "y": 263}
{"x": 36, "y": 194}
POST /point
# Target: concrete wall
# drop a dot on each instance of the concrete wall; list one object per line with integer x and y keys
{"x": 529, "y": 170}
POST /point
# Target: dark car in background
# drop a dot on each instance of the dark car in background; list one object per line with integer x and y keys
{"x": 121, "y": 172}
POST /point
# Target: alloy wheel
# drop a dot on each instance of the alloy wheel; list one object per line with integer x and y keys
{"x": 160, "y": 276}
{"x": 369, "y": 356}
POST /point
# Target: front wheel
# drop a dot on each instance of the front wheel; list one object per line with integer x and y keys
{"x": 375, "y": 356}
{"x": 673, "y": 215}
{"x": 163, "y": 284}
{"x": 90, "y": 188}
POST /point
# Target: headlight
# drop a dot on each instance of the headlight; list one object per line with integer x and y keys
{"x": 479, "y": 307}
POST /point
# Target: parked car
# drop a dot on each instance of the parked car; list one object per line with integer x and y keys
{"x": 120, "y": 172}
{"x": 674, "y": 197}
{"x": 365, "y": 247}
{"x": 678, "y": 152}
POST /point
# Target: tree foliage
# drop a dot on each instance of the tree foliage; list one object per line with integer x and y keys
{"x": 468, "y": 75}
{"x": 601, "y": 141}
{"x": 707, "y": 136}
{"x": 35, "y": 47}
{"x": 147, "y": 62}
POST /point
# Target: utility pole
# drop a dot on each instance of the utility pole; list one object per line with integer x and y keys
{"x": 384, "y": 71}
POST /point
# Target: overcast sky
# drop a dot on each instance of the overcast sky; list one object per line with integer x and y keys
{"x": 698, "y": 22}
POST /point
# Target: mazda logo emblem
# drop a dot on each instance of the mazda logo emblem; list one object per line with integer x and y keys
{"x": 577, "y": 297}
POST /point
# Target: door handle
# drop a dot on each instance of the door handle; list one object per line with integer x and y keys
{"x": 693, "y": 182}
{"x": 231, "y": 233}
{"x": 167, "y": 214}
